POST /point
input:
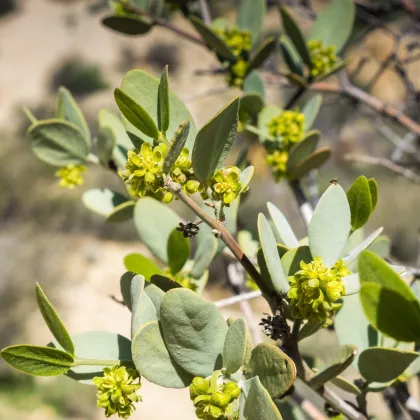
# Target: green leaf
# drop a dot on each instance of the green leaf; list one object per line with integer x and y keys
{"x": 284, "y": 230}
{"x": 212, "y": 39}
{"x": 103, "y": 201}
{"x": 111, "y": 123}
{"x": 178, "y": 250}
{"x": 291, "y": 56}
{"x": 373, "y": 186}
{"x": 258, "y": 403}
{"x": 155, "y": 222}
{"x": 177, "y": 144}
{"x": 334, "y": 24}
{"x": 302, "y": 150}
{"x": 291, "y": 259}
{"x": 294, "y": 33}
{"x": 360, "y": 202}
{"x": 136, "y": 114}
{"x": 105, "y": 143}
{"x": 266, "y": 115}
{"x": 354, "y": 253}
{"x": 339, "y": 364}
{"x": 310, "y": 110}
{"x": 261, "y": 54}
{"x": 29, "y": 115}
{"x": 330, "y": 225}
{"x": 156, "y": 295}
{"x": 139, "y": 264}
{"x": 142, "y": 308}
{"x": 204, "y": 255}
{"x": 313, "y": 161}
{"x": 37, "y": 360}
{"x": 254, "y": 84}
{"x": 164, "y": 283}
{"x": 122, "y": 212}
{"x": 235, "y": 346}
{"x": 351, "y": 284}
{"x": 153, "y": 361}
{"x": 58, "y": 143}
{"x": 346, "y": 385}
{"x": 53, "y": 321}
{"x": 352, "y": 326}
{"x": 128, "y": 25}
{"x": 381, "y": 246}
{"x": 391, "y": 312}
{"x": 380, "y": 364}
{"x": 214, "y": 141}
{"x": 194, "y": 331}
{"x": 143, "y": 88}
{"x": 249, "y": 107}
{"x": 271, "y": 256}
{"x": 100, "y": 345}
{"x": 276, "y": 370}
{"x": 307, "y": 330}
{"x": 125, "y": 288}
{"x": 251, "y": 17}
{"x": 163, "y": 101}
{"x": 67, "y": 109}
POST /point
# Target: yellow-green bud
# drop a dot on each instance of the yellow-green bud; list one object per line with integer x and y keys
{"x": 287, "y": 128}
{"x": 225, "y": 184}
{"x": 220, "y": 399}
{"x": 199, "y": 386}
{"x": 117, "y": 391}
{"x": 323, "y": 58}
{"x": 71, "y": 176}
{"x": 314, "y": 291}
{"x": 232, "y": 389}
{"x": 277, "y": 160}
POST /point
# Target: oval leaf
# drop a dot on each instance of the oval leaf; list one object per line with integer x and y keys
{"x": 352, "y": 255}
{"x": 53, "y": 321}
{"x": 128, "y": 25}
{"x": 380, "y": 364}
{"x": 153, "y": 361}
{"x": 139, "y": 264}
{"x": 310, "y": 110}
{"x": 261, "y": 54}
{"x": 136, "y": 114}
{"x": 291, "y": 56}
{"x": 214, "y": 141}
{"x": 122, "y": 212}
{"x": 334, "y": 24}
{"x": 37, "y": 360}
{"x": 360, "y": 202}
{"x": 291, "y": 259}
{"x": 254, "y": 84}
{"x": 330, "y": 225}
{"x": 59, "y": 143}
{"x": 251, "y": 17}
{"x": 103, "y": 201}
{"x": 194, "y": 331}
{"x": 178, "y": 249}
{"x": 204, "y": 255}
{"x": 271, "y": 256}
{"x": 155, "y": 222}
{"x": 235, "y": 347}
{"x": 284, "y": 230}
{"x": 313, "y": 161}
{"x": 302, "y": 150}
{"x": 276, "y": 370}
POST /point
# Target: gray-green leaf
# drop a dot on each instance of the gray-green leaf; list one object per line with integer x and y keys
{"x": 251, "y": 17}
{"x": 177, "y": 144}
{"x": 235, "y": 347}
{"x": 284, "y": 230}
{"x": 163, "y": 101}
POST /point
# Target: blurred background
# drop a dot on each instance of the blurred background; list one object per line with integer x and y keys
{"x": 48, "y": 236}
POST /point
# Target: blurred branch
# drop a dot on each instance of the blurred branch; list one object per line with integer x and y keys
{"x": 205, "y": 12}
{"x": 386, "y": 163}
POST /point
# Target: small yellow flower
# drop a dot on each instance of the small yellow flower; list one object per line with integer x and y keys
{"x": 323, "y": 58}
{"x": 315, "y": 289}
{"x": 71, "y": 176}
{"x": 287, "y": 128}
{"x": 277, "y": 160}
{"x": 214, "y": 398}
{"x": 225, "y": 184}
{"x": 117, "y": 391}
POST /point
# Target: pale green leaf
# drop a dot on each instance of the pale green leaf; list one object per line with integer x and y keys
{"x": 139, "y": 264}
{"x": 251, "y": 17}
{"x": 282, "y": 227}
{"x": 235, "y": 346}
{"x": 178, "y": 250}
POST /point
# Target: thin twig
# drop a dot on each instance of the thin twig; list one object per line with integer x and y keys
{"x": 386, "y": 163}
{"x": 205, "y": 12}
{"x": 237, "y": 299}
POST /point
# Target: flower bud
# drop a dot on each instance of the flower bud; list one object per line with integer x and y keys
{"x": 225, "y": 184}
{"x": 323, "y": 59}
{"x": 199, "y": 386}
{"x": 71, "y": 176}
{"x": 232, "y": 389}
{"x": 220, "y": 399}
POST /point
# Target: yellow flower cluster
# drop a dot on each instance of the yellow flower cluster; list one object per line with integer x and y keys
{"x": 214, "y": 399}
{"x": 323, "y": 58}
{"x": 238, "y": 41}
{"x": 287, "y": 129}
{"x": 71, "y": 176}
{"x": 315, "y": 289}
{"x": 225, "y": 184}
{"x": 117, "y": 391}
{"x": 144, "y": 172}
